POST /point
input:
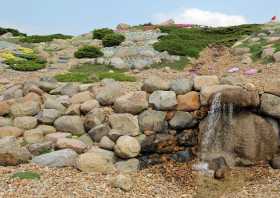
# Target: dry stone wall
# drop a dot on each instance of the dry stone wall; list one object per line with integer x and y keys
{"x": 106, "y": 128}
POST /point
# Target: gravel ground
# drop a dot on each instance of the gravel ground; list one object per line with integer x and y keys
{"x": 167, "y": 180}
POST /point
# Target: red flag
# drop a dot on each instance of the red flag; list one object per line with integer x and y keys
{"x": 274, "y": 18}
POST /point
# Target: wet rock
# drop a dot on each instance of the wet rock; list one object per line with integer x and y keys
{"x": 155, "y": 83}
{"x": 127, "y": 147}
{"x": 163, "y": 100}
{"x": 61, "y": 158}
{"x": 72, "y": 124}
{"x": 181, "y": 120}
{"x": 125, "y": 123}
{"x": 134, "y": 103}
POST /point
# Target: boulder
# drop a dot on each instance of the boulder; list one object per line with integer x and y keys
{"x": 10, "y": 131}
{"x": 233, "y": 80}
{"x": 119, "y": 63}
{"x": 131, "y": 165}
{"x": 127, "y": 124}
{"x": 95, "y": 162}
{"x": 98, "y": 132}
{"x": 4, "y": 108}
{"x": 69, "y": 89}
{"x": 11, "y": 153}
{"x": 123, "y": 182}
{"x": 276, "y": 57}
{"x": 109, "y": 93}
{"x": 275, "y": 162}
{"x": 123, "y": 26}
{"x": 40, "y": 148}
{"x": 163, "y": 100}
{"x": 47, "y": 85}
{"x": 248, "y": 136}
{"x": 127, "y": 147}
{"x": 94, "y": 118}
{"x": 267, "y": 52}
{"x": 89, "y": 106}
{"x": 187, "y": 138}
{"x": 48, "y": 116}
{"x": 73, "y": 109}
{"x": 202, "y": 81}
{"x": 81, "y": 97}
{"x": 272, "y": 86}
{"x": 58, "y": 135}
{"x": 241, "y": 51}
{"x": 74, "y": 144}
{"x": 182, "y": 120}
{"x": 61, "y": 158}
{"x": 51, "y": 103}
{"x": 25, "y": 122}
{"x": 155, "y": 83}
{"x": 270, "y": 105}
{"x": 33, "y": 136}
{"x": 72, "y": 124}
{"x": 134, "y": 103}
{"x": 106, "y": 143}
{"x": 182, "y": 86}
{"x": 151, "y": 120}
{"x": 188, "y": 102}
{"x": 5, "y": 121}
{"x": 46, "y": 129}
{"x": 28, "y": 108}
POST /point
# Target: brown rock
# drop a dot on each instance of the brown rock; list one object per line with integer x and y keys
{"x": 10, "y": 131}
{"x": 188, "y": 102}
{"x": 4, "y": 108}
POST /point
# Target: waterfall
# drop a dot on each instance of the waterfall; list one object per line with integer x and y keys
{"x": 213, "y": 140}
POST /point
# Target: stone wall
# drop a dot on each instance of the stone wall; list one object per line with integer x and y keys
{"x": 104, "y": 128}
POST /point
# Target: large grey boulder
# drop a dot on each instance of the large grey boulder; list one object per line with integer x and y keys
{"x": 51, "y": 103}
{"x": 152, "y": 120}
{"x": 109, "y": 93}
{"x": 182, "y": 86}
{"x": 28, "y": 108}
{"x": 98, "y": 132}
{"x": 94, "y": 118}
{"x": 48, "y": 116}
{"x": 72, "y": 124}
{"x": 155, "y": 83}
{"x": 127, "y": 147}
{"x": 26, "y": 122}
{"x": 270, "y": 105}
{"x": 131, "y": 165}
{"x": 126, "y": 123}
{"x": 134, "y": 103}
{"x": 61, "y": 158}
{"x": 163, "y": 100}
{"x": 11, "y": 153}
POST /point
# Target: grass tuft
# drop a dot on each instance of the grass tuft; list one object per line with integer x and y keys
{"x": 26, "y": 175}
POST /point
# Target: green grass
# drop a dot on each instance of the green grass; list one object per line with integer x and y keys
{"x": 26, "y": 175}
{"x": 44, "y": 38}
{"x": 276, "y": 46}
{"x": 88, "y": 73}
{"x": 256, "y": 48}
{"x": 177, "y": 65}
{"x": 190, "y": 42}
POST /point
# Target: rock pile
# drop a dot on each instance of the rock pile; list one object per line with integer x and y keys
{"x": 106, "y": 129}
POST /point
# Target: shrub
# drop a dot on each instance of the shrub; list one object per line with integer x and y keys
{"x": 101, "y": 33}
{"x": 26, "y": 175}
{"x": 43, "y": 38}
{"x": 88, "y": 52}
{"x": 13, "y": 31}
{"x": 21, "y": 64}
{"x": 114, "y": 39}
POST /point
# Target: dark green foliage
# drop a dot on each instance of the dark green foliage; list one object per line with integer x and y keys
{"x": 189, "y": 42}
{"x": 26, "y": 175}
{"x": 26, "y": 62}
{"x": 88, "y": 52}
{"x": 91, "y": 73}
{"x": 101, "y": 33}
{"x": 114, "y": 39}
{"x": 44, "y": 38}
{"x": 13, "y": 31}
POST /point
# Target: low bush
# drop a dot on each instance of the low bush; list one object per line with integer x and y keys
{"x": 11, "y": 30}
{"x": 88, "y": 52}
{"x": 114, "y": 39}
{"x": 101, "y": 33}
{"x": 44, "y": 38}
{"x": 21, "y": 64}
{"x": 26, "y": 175}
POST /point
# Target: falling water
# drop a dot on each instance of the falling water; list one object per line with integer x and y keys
{"x": 213, "y": 140}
